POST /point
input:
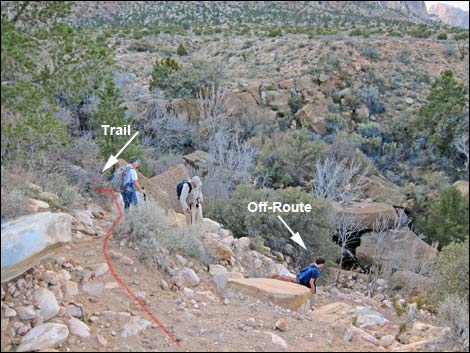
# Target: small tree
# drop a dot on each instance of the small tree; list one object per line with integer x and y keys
{"x": 442, "y": 36}
{"x": 461, "y": 146}
{"x": 347, "y": 229}
{"x": 181, "y": 50}
{"x": 160, "y": 72}
{"x": 339, "y": 181}
{"x": 448, "y": 219}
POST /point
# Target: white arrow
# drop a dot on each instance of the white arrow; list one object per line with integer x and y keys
{"x": 295, "y": 236}
{"x": 113, "y": 159}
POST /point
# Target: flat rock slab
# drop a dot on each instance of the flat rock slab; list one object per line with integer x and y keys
{"x": 29, "y": 239}
{"x": 369, "y": 213}
{"x": 287, "y": 295}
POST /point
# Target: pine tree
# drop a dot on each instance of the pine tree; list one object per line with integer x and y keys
{"x": 448, "y": 218}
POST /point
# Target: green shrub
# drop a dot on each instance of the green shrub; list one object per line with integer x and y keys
{"x": 450, "y": 271}
{"x": 181, "y": 50}
{"x": 443, "y": 117}
{"x": 142, "y": 46}
{"x": 359, "y": 32}
{"x": 287, "y": 159}
{"x": 274, "y": 32}
{"x": 315, "y": 227}
{"x": 192, "y": 80}
{"x": 448, "y": 219}
{"x": 160, "y": 72}
{"x": 442, "y": 36}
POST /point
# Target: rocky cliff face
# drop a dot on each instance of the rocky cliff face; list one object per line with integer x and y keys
{"x": 449, "y": 15}
{"x": 416, "y": 8}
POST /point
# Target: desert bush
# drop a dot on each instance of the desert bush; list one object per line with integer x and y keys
{"x": 14, "y": 201}
{"x": 453, "y": 313}
{"x": 450, "y": 271}
{"x": 315, "y": 227}
{"x": 192, "y": 80}
{"x": 287, "y": 159}
{"x": 160, "y": 72}
{"x": 181, "y": 50}
{"x": 370, "y": 53}
{"x": 442, "y": 36}
{"x": 359, "y": 32}
{"x": 450, "y": 51}
{"x": 142, "y": 46}
{"x": 447, "y": 220}
{"x": 338, "y": 180}
{"x": 147, "y": 229}
{"x": 231, "y": 162}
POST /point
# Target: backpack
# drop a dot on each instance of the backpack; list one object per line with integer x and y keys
{"x": 118, "y": 178}
{"x": 304, "y": 276}
{"x": 179, "y": 187}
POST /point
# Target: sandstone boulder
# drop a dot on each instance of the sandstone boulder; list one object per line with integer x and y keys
{"x": 276, "y": 100}
{"x": 185, "y": 108}
{"x": 381, "y": 190}
{"x": 369, "y": 213}
{"x": 285, "y": 294}
{"x": 216, "y": 249}
{"x": 239, "y": 104}
{"x": 29, "y": 239}
{"x": 313, "y": 114}
{"x": 409, "y": 280}
{"x": 403, "y": 251}
{"x": 198, "y": 160}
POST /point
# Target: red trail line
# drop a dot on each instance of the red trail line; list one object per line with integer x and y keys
{"x": 116, "y": 277}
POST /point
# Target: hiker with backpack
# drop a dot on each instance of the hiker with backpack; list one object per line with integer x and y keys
{"x": 190, "y": 196}
{"x": 125, "y": 181}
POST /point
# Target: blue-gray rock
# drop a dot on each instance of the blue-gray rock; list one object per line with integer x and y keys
{"x": 29, "y": 239}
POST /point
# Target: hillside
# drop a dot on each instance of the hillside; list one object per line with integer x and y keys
{"x": 450, "y": 15}
{"x": 351, "y": 117}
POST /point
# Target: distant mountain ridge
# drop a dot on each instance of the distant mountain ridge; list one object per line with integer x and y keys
{"x": 450, "y": 15}
{"x": 100, "y": 12}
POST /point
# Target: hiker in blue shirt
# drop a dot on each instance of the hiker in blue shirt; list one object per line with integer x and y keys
{"x": 132, "y": 185}
{"x": 309, "y": 275}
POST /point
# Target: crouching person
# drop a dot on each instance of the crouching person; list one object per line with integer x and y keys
{"x": 309, "y": 275}
{"x": 191, "y": 199}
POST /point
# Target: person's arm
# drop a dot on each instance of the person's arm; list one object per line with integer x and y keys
{"x": 183, "y": 197}
{"x": 137, "y": 185}
{"x": 312, "y": 284}
{"x": 135, "y": 180}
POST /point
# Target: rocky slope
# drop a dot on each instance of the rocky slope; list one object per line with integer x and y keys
{"x": 72, "y": 301}
{"x": 449, "y": 15}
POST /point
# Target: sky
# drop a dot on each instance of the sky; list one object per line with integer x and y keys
{"x": 460, "y": 4}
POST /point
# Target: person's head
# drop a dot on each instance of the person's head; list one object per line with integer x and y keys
{"x": 134, "y": 162}
{"x": 320, "y": 262}
{"x": 196, "y": 182}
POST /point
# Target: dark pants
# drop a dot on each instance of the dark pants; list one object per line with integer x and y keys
{"x": 130, "y": 196}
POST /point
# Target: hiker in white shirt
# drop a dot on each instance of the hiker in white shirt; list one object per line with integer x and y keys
{"x": 192, "y": 201}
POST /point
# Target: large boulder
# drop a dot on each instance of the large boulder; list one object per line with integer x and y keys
{"x": 370, "y": 213}
{"x": 276, "y": 100}
{"x": 409, "y": 280}
{"x": 44, "y": 336}
{"x": 254, "y": 91}
{"x": 403, "y": 250}
{"x": 29, "y": 239}
{"x": 285, "y": 294}
{"x": 313, "y": 114}
{"x": 185, "y": 108}
{"x": 215, "y": 249}
{"x": 198, "y": 160}
{"x": 381, "y": 190}
{"x": 239, "y": 104}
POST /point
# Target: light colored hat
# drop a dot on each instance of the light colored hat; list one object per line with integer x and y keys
{"x": 197, "y": 181}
